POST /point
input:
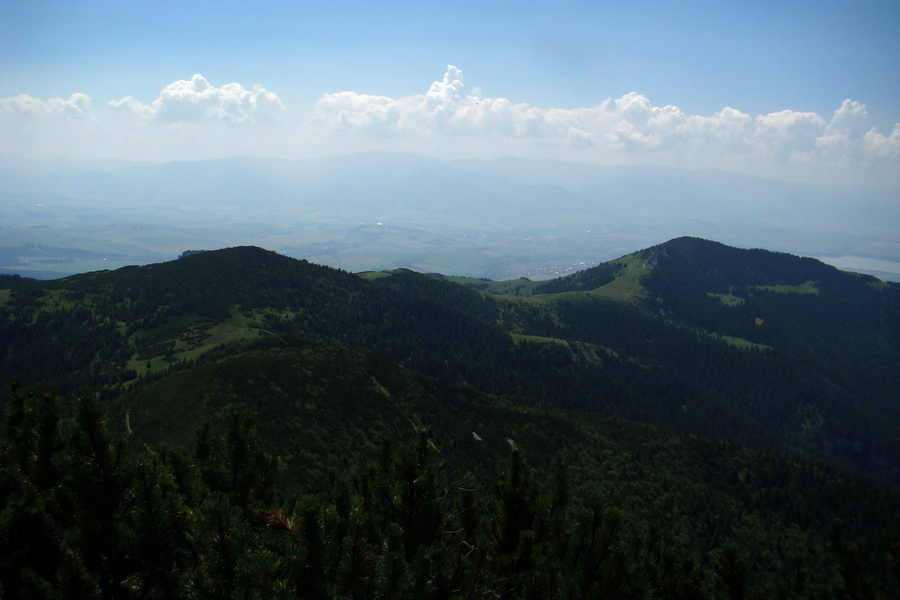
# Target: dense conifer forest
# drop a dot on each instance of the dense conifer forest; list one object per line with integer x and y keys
{"x": 84, "y": 516}
{"x": 692, "y": 420}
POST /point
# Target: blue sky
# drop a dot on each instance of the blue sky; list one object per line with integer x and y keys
{"x": 528, "y": 79}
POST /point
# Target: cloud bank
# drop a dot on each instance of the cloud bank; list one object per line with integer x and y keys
{"x": 197, "y": 99}
{"x": 77, "y": 106}
{"x": 629, "y": 125}
{"x": 185, "y": 100}
{"x": 194, "y": 119}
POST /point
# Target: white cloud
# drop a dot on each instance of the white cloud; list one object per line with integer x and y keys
{"x": 879, "y": 145}
{"x": 444, "y": 108}
{"x": 628, "y": 126}
{"x": 847, "y": 139}
{"x": 197, "y": 99}
{"x": 194, "y": 119}
{"x": 728, "y": 130}
{"x": 77, "y": 106}
{"x": 851, "y": 117}
{"x": 185, "y": 100}
{"x": 189, "y": 120}
{"x": 787, "y": 134}
{"x": 132, "y": 105}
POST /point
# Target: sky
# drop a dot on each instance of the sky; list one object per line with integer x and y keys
{"x": 799, "y": 90}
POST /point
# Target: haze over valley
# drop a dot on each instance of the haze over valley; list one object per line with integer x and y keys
{"x": 499, "y": 219}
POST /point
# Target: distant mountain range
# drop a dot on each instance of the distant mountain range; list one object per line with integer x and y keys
{"x": 487, "y": 218}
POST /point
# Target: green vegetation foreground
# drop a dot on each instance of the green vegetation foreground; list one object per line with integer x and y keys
{"x": 83, "y": 517}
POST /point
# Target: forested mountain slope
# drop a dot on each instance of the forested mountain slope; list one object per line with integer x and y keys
{"x": 322, "y": 408}
{"x": 627, "y": 511}
{"x": 749, "y": 345}
{"x": 616, "y": 369}
{"x": 799, "y": 349}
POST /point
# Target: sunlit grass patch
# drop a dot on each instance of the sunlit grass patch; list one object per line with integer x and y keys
{"x": 807, "y": 287}
{"x": 518, "y": 338}
{"x": 626, "y": 287}
{"x": 726, "y": 299}
{"x": 374, "y": 274}
{"x": 521, "y": 287}
{"x": 741, "y": 343}
{"x": 188, "y": 337}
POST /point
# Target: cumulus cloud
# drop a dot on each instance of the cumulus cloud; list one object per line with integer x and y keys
{"x": 185, "y": 100}
{"x": 197, "y": 99}
{"x": 877, "y": 144}
{"x": 445, "y": 107}
{"x": 787, "y": 134}
{"x": 189, "y": 120}
{"x": 629, "y": 125}
{"x": 77, "y": 106}
{"x": 847, "y": 138}
{"x": 193, "y": 119}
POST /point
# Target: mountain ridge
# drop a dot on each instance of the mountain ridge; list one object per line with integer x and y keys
{"x": 690, "y": 311}
{"x": 732, "y": 398}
